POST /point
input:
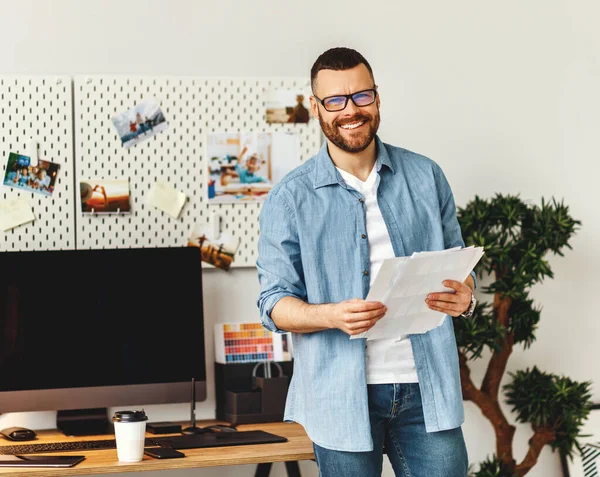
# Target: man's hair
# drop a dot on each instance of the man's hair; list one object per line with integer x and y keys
{"x": 339, "y": 58}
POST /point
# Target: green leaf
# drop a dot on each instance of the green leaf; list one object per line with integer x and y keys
{"x": 550, "y": 401}
{"x": 480, "y": 331}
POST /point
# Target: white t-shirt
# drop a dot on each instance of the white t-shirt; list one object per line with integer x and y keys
{"x": 388, "y": 360}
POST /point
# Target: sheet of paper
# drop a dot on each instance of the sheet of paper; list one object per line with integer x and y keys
{"x": 403, "y": 283}
{"x": 15, "y": 212}
{"x": 166, "y": 198}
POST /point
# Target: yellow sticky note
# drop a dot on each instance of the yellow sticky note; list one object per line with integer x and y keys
{"x": 166, "y": 198}
{"x": 15, "y": 212}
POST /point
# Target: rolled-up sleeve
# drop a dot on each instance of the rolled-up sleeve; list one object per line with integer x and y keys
{"x": 451, "y": 226}
{"x": 279, "y": 263}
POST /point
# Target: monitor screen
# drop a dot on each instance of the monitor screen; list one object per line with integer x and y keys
{"x": 84, "y": 329}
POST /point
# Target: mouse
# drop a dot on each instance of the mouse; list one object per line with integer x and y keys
{"x": 18, "y": 434}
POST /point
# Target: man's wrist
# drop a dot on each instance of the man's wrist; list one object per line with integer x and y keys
{"x": 326, "y": 312}
{"x": 468, "y": 313}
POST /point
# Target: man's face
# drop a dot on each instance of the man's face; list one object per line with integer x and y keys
{"x": 353, "y": 128}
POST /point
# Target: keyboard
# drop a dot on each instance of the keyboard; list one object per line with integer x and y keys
{"x": 209, "y": 439}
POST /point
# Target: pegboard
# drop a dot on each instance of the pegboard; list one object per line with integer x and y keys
{"x": 193, "y": 107}
{"x": 39, "y": 109}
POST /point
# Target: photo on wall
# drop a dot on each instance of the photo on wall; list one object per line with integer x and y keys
{"x": 104, "y": 196}
{"x": 244, "y": 166}
{"x": 21, "y": 174}
{"x": 218, "y": 252}
{"x": 284, "y": 105}
{"x": 140, "y": 123}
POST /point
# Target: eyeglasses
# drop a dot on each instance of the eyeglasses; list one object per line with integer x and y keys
{"x": 339, "y": 102}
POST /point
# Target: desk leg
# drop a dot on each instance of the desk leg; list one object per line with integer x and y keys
{"x": 293, "y": 470}
{"x": 264, "y": 469}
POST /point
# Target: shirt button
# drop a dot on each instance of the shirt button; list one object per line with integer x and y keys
{"x": 366, "y": 272}
{"x": 361, "y": 200}
{"x": 363, "y": 236}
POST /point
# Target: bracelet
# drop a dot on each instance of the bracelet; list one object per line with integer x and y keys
{"x": 468, "y": 313}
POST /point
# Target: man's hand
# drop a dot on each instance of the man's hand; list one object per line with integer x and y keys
{"x": 355, "y": 316}
{"x": 451, "y": 303}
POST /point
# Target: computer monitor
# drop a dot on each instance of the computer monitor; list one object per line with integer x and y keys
{"x": 84, "y": 330}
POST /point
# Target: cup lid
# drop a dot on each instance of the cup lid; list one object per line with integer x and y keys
{"x": 129, "y": 416}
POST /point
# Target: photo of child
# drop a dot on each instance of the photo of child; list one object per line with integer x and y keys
{"x": 245, "y": 170}
{"x": 245, "y": 166}
{"x": 39, "y": 179}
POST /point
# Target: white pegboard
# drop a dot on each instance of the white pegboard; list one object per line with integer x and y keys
{"x": 193, "y": 107}
{"x": 39, "y": 108}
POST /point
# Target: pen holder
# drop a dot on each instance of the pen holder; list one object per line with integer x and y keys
{"x": 273, "y": 389}
{"x": 243, "y": 402}
{"x": 273, "y": 392}
{"x": 246, "y": 397}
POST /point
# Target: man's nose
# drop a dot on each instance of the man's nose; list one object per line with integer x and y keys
{"x": 351, "y": 109}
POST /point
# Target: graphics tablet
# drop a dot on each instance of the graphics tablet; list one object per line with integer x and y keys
{"x": 220, "y": 439}
{"x": 40, "y": 460}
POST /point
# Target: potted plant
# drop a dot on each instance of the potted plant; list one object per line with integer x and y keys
{"x": 517, "y": 236}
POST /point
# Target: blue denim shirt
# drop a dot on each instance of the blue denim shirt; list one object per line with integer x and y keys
{"x": 310, "y": 247}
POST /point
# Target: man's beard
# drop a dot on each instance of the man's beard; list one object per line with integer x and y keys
{"x": 354, "y": 145}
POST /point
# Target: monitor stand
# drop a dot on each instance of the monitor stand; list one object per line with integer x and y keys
{"x": 193, "y": 429}
{"x": 83, "y": 422}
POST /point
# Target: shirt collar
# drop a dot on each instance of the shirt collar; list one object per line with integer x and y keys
{"x": 326, "y": 173}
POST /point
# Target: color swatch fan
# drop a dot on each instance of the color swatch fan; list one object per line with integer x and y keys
{"x": 250, "y": 342}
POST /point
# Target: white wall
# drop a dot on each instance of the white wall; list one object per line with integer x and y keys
{"x": 503, "y": 95}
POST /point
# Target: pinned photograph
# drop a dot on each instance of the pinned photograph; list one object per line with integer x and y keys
{"x": 139, "y": 123}
{"x": 219, "y": 252}
{"x": 21, "y": 174}
{"x": 245, "y": 166}
{"x": 99, "y": 196}
{"x": 287, "y": 105}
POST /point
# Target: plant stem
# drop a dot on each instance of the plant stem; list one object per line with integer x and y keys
{"x": 490, "y": 408}
{"x": 541, "y": 437}
{"x": 487, "y": 398}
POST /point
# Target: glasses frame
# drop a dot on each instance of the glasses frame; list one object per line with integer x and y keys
{"x": 348, "y": 97}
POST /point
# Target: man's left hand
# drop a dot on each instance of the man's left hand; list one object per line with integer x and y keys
{"x": 451, "y": 303}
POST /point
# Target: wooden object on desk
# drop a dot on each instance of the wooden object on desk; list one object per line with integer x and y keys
{"x": 298, "y": 447}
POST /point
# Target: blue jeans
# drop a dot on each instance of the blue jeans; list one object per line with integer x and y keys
{"x": 397, "y": 422}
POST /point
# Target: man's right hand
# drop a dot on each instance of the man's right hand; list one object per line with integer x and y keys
{"x": 355, "y": 316}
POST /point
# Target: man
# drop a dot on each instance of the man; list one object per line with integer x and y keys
{"x": 324, "y": 231}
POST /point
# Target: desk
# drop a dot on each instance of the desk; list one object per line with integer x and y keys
{"x": 298, "y": 447}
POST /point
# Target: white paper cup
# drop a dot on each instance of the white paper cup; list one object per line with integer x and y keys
{"x": 130, "y": 435}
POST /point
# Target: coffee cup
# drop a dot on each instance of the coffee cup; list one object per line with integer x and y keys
{"x": 130, "y": 434}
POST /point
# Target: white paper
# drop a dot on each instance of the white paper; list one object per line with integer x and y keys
{"x": 166, "y": 198}
{"x": 15, "y": 212}
{"x": 403, "y": 283}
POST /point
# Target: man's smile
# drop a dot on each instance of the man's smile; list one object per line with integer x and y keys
{"x": 352, "y": 125}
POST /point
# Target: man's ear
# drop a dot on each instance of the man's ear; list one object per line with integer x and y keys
{"x": 314, "y": 107}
